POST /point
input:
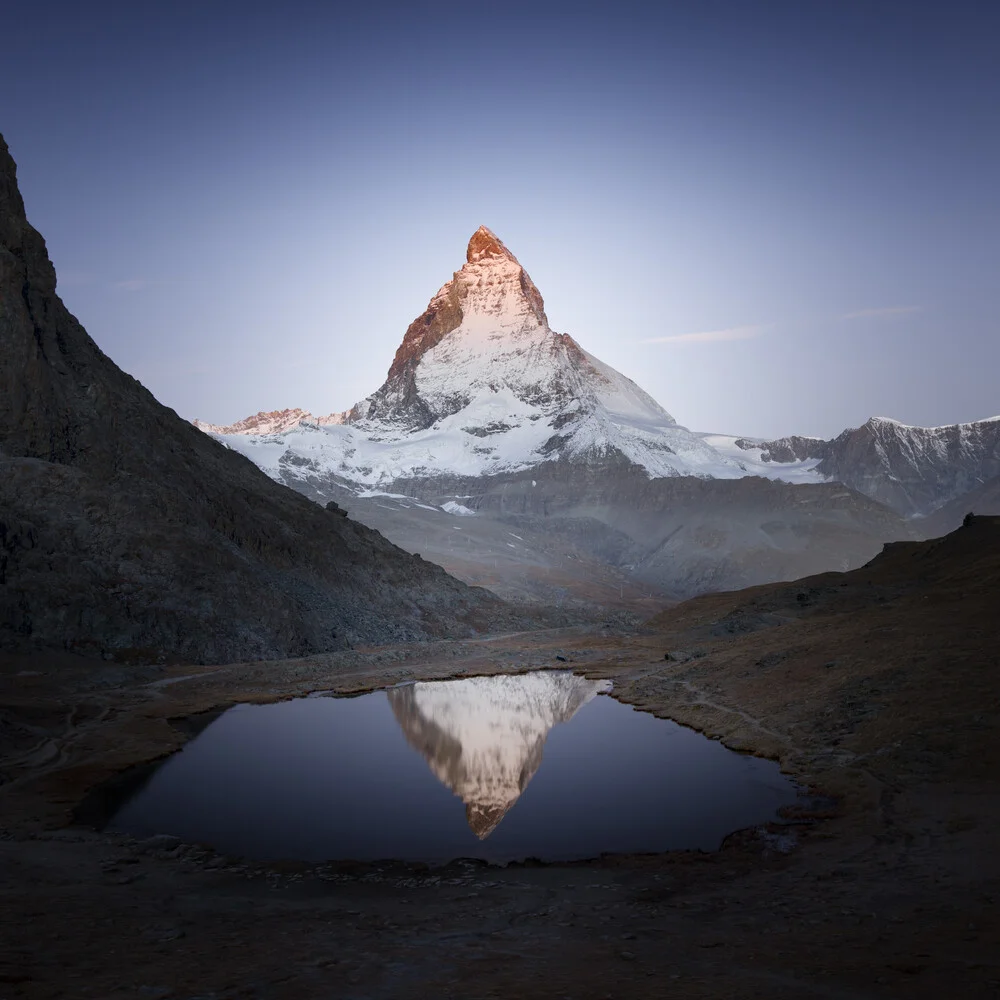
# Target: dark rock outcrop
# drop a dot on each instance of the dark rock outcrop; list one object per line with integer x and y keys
{"x": 127, "y": 533}
{"x": 794, "y": 448}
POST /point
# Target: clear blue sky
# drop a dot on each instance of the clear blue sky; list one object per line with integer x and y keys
{"x": 247, "y": 205}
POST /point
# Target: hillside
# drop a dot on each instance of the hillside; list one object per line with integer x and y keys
{"x": 127, "y": 533}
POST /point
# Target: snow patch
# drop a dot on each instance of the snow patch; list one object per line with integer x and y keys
{"x": 753, "y": 464}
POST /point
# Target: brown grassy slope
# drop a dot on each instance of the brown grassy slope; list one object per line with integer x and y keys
{"x": 896, "y": 664}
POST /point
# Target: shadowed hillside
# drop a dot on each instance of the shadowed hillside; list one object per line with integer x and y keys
{"x": 127, "y": 533}
{"x": 895, "y": 662}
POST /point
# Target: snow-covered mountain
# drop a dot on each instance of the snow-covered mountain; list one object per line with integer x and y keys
{"x": 481, "y": 385}
{"x": 914, "y": 470}
{"x": 483, "y": 736}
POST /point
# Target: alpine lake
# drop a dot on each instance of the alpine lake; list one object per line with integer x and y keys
{"x": 544, "y": 765}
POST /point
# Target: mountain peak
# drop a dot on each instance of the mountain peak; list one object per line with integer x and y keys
{"x": 486, "y": 243}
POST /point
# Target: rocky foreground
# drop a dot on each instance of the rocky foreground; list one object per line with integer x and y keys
{"x": 879, "y": 688}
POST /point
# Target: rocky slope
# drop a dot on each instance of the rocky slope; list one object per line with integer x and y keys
{"x": 678, "y": 536}
{"x": 127, "y": 533}
{"x": 592, "y": 533}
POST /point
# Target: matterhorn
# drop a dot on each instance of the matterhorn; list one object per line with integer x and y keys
{"x": 481, "y": 385}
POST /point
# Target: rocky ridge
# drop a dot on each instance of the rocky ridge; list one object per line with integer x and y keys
{"x": 270, "y": 422}
{"x": 913, "y": 470}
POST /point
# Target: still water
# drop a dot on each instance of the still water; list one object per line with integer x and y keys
{"x": 503, "y": 768}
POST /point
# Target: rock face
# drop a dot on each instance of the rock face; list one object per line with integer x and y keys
{"x": 127, "y": 533}
{"x": 674, "y": 536}
{"x": 483, "y": 737}
{"x": 585, "y": 535}
{"x": 914, "y": 469}
{"x": 494, "y": 319}
{"x": 786, "y": 450}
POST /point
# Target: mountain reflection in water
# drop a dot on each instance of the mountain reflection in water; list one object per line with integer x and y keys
{"x": 483, "y": 736}
{"x": 337, "y": 778}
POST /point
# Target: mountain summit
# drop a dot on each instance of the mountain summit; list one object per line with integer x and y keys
{"x": 485, "y": 243}
{"x": 483, "y": 332}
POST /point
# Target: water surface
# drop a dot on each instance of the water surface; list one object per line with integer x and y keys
{"x": 502, "y": 768}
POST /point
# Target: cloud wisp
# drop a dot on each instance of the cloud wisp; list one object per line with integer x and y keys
{"x": 884, "y": 311}
{"x": 710, "y": 336}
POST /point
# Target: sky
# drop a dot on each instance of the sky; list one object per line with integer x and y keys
{"x": 776, "y": 217}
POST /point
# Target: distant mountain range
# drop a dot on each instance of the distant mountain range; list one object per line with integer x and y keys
{"x": 914, "y": 470}
{"x": 483, "y": 397}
